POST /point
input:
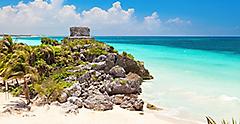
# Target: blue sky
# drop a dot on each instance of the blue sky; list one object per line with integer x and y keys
{"x": 197, "y": 17}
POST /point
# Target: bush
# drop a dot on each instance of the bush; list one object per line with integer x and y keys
{"x": 51, "y": 88}
{"x": 96, "y": 51}
{"x": 127, "y": 55}
{"x": 17, "y": 91}
{"x": 49, "y": 41}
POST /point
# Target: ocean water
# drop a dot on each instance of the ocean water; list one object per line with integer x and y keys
{"x": 194, "y": 77}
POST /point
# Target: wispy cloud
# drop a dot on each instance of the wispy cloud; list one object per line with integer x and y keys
{"x": 178, "y": 21}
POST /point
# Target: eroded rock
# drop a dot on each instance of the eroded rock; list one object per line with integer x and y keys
{"x": 76, "y": 101}
{"x": 63, "y": 97}
{"x": 40, "y": 100}
{"x": 68, "y": 108}
{"x": 117, "y": 72}
{"x": 100, "y": 58}
{"x": 132, "y": 103}
{"x": 98, "y": 102}
{"x": 122, "y": 86}
{"x": 153, "y": 107}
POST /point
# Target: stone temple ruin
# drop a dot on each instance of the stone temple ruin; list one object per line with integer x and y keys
{"x": 79, "y": 33}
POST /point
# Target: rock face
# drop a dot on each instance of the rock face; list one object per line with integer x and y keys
{"x": 70, "y": 108}
{"x": 128, "y": 64}
{"x": 132, "y": 77}
{"x": 122, "y": 86}
{"x": 98, "y": 102}
{"x": 79, "y": 31}
{"x": 133, "y": 66}
{"x": 109, "y": 79}
{"x": 76, "y": 101}
{"x": 74, "y": 90}
{"x": 130, "y": 102}
{"x": 40, "y": 100}
{"x": 117, "y": 72}
{"x": 100, "y": 58}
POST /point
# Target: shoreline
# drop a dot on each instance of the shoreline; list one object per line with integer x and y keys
{"x": 54, "y": 115}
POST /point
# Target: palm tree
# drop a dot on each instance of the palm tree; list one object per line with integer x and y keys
{"x": 29, "y": 75}
{"x": 7, "y": 44}
{"x": 46, "y": 53}
{"x": 16, "y": 66}
{"x": 5, "y": 47}
{"x": 211, "y": 121}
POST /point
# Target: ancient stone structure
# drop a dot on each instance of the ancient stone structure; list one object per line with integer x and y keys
{"x": 79, "y": 33}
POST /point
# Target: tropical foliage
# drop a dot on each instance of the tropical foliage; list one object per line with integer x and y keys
{"x": 211, "y": 121}
{"x": 42, "y": 68}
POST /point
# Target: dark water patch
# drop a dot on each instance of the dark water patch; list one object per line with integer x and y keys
{"x": 217, "y": 44}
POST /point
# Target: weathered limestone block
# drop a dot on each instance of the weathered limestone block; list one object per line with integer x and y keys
{"x": 79, "y": 31}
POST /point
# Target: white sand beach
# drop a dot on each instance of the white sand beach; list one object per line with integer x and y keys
{"x": 54, "y": 115}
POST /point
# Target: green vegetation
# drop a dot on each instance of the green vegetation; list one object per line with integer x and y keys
{"x": 128, "y": 55}
{"x": 51, "y": 88}
{"x": 211, "y": 121}
{"x": 17, "y": 91}
{"x": 123, "y": 82}
{"x": 15, "y": 64}
{"x": 96, "y": 51}
{"x": 43, "y": 68}
{"x": 49, "y": 41}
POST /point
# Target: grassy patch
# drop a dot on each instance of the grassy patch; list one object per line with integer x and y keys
{"x": 128, "y": 55}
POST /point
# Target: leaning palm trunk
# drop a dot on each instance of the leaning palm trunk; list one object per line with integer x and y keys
{"x": 6, "y": 88}
{"x": 210, "y": 120}
{"x": 26, "y": 91}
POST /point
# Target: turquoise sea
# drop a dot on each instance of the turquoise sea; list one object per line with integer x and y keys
{"x": 194, "y": 77}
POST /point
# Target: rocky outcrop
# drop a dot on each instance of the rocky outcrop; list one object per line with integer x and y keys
{"x": 128, "y": 64}
{"x": 98, "y": 89}
{"x": 130, "y": 102}
{"x": 133, "y": 66}
{"x": 107, "y": 80}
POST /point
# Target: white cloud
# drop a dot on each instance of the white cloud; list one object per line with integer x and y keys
{"x": 152, "y": 22}
{"x": 54, "y": 18}
{"x": 153, "y": 19}
{"x": 178, "y": 21}
{"x": 114, "y": 15}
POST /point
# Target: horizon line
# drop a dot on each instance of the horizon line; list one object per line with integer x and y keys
{"x": 41, "y": 35}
